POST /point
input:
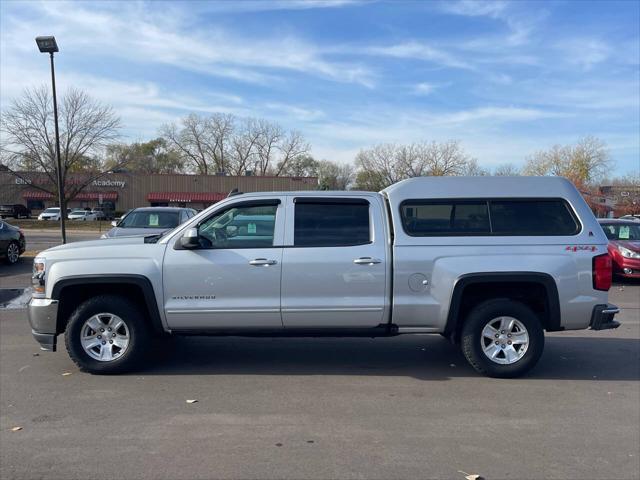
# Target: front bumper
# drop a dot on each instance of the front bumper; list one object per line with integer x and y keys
{"x": 602, "y": 317}
{"x": 43, "y": 317}
{"x": 627, "y": 267}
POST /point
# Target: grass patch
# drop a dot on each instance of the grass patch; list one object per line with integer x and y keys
{"x": 71, "y": 225}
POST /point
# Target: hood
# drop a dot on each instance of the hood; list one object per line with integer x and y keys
{"x": 8, "y": 226}
{"x": 633, "y": 245}
{"x": 134, "y": 232}
{"x": 94, "y": 244}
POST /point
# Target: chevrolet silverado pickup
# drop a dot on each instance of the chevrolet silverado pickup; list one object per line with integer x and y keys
{"x": 490, "y": 263}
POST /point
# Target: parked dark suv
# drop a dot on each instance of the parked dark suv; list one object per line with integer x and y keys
{"x": 15, "y": 211}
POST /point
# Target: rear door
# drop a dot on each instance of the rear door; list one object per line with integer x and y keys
{"x": 334, "y": 263}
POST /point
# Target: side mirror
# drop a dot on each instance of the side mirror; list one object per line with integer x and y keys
{"x": 114, "y": 223}
{"x": 190, "y": 239}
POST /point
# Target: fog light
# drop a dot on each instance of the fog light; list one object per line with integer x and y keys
{"x": 628, "y": 271}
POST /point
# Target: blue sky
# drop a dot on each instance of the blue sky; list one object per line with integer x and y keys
{"x": 504, "y": 78}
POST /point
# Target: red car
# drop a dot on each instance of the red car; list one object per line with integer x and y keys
{"x": 624, "y": 246}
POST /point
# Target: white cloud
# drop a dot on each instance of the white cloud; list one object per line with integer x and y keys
{"x": 424, "y": 88}
{"x": 294, "y": 111}
{"x": 145, "y": 34}
{"x": 475, "y": 8}
{"x": 585, "y": 52}
{"x": 419, "y": 51}
{"x": 263, "y": 5}
{"x": 521, "y": 25}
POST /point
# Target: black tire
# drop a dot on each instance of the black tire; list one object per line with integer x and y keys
{"x": 471, "y": 338}
{"x": 9, "y": 255}
{"x": 134, "y": 318}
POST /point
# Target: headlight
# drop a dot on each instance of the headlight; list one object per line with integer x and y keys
{"x": 38, "y": 277}
{"x": 625, "y": 252}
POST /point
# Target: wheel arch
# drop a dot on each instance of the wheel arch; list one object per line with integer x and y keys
{"x": 473, "y": 288}
{"x": 135, "y": 287}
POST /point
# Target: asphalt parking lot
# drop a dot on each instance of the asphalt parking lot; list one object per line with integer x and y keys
{"x": 404, "y": 407}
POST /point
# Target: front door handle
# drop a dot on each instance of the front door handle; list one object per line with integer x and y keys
{"x": 261, "y": 262}
{"x": 367, "y": 261}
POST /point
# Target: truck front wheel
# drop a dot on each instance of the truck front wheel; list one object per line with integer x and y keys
{"x": 107, "y": 334}
{"x": 502, "y": 338}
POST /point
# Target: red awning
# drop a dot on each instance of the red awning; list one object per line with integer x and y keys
{"x": 185, "y": 197}
{"x": 83, "y": 196}
{"x": 36, "y": 195}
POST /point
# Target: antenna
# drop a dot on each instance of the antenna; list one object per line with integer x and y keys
{"x": 234, "y": 192}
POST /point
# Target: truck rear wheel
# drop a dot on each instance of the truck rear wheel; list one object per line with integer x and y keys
{"x": 107, "y": 334}
{"x": 502, "y": 338}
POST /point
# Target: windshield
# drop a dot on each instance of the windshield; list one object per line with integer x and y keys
{"x": 146, "y": 219}
{"x": 78, "y": 210}
{"x": 621, "y": 231}
{"x": 52, "y": 210}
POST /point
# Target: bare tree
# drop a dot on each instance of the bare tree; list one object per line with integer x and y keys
{"x": 300, "y": 166}
{"x": 292, "y": 147}
{"x": 378, "y": 167}
{"x": 193, "y": 140}
{"x": 149, "y": 157}
{"x": 583, "y": 163}
{"x": 270, "y": 137}
{"x": 28, "y": 143}
{"x": 224, "y": 143}
{"x": 507, "y": 170}
{"x": 447, "y": 158}
{"x": 473, "y": 169}
{"x": 243, "y": 147}
{"x": 386, "y": 164}
{"x": 334, "y": 176}
{"x": 220, "y": 128}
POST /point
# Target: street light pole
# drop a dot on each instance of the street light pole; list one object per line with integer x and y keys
{"x": 63, "y": 210}
{"x": 49, "y": 45}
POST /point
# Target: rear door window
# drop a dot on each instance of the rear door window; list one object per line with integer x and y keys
{"x": 331, "y": 223}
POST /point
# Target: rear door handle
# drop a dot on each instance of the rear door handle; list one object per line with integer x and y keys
{"x": 261, "y": 262}
{"x": 367, "y": 261}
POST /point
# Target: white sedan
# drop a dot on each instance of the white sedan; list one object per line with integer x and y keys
{"x": 52, "y": 213}
{"x": 83, "y": 215}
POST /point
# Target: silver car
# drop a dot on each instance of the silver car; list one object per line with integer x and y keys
{"x": 149, "y": 221}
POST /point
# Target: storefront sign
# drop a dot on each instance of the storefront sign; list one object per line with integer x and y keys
{"x": 109, "y": 183}
{"x": 95, "y": 183}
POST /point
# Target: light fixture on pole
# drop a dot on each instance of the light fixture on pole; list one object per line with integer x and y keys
{"x": 50, "y": 46}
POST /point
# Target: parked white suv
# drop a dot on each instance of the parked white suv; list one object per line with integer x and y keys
{"x": 488, "y": 262}
{"x": 52, "y": 213}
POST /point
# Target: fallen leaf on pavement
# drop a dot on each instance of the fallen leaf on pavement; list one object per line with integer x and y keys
{"x": 470, "y": 476}
{"x": 16, "y": 429}
{"x": 192, "y": 401}
{"x": 66, "y": 374}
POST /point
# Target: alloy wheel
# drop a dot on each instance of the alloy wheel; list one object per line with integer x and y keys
{"x": 13, "y": 252}
{"x": 105, "y": 337}
{"x": 504, "y": 340}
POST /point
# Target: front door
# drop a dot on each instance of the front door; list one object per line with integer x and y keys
{"x": 334, "y": 273}
{"x": 232, "y": 281}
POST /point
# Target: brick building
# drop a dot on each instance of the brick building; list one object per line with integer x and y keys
{"x": 123, "y": 191}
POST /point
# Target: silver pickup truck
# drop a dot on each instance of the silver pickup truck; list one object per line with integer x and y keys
{"x": 488, "y": 262}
